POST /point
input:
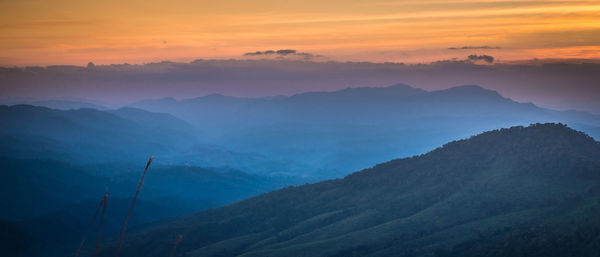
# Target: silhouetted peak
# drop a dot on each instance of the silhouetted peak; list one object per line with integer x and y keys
{"x": 396, "y": 88}
{"x": 366, "y": 93}
{"x": 540, "y": 131}
{"x": 470, "y": 90}
{"x": 556, "y": 138}
{"x": 402, "y": 85}
{"x": 23, "y": 107}
{"x": 34, "y": 109}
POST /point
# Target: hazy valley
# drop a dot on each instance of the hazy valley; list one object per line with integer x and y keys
{"x": 216, "y": 150}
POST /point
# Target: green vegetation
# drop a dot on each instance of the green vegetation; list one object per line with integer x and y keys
{"x": 523, "y": 191}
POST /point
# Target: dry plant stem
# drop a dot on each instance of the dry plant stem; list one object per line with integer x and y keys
{"x": 89, "y": 228}
{"x": 179, "y": 237}
{"x": 131, "y": 207}
{"x": 101, "y": 223}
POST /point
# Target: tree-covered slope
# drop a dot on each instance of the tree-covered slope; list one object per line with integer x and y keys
{"x": 503, "y": 192}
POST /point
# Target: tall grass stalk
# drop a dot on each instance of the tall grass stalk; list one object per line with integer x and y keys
{"x": 131, "y": 207}
{"x": 101, "y": 223}
{"x": 89, "y": 228}
{"x": 179, "y": 237}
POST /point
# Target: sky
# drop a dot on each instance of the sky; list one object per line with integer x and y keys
{"x": 413, "y": 31}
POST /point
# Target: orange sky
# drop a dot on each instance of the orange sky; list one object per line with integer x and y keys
{"x": 77, "y": 31}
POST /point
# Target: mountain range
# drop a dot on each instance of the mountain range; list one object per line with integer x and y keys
{"x": 315, "y": 135}
{"x": 215, "y": 150}
{"x": 89, "y": 135}
{"x": 522, "y": 191}
{"x": 328, "y": 134}
{"x": 125, "y": 135}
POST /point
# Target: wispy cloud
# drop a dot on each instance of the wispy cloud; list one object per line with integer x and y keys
{"x": 436, "y": 14}
{"x": 377, "y": 30}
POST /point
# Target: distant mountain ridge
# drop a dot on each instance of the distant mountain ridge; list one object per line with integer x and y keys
{"x": 125, "y": 135}
{"x": 65, "y": 103}
{"x": 545, "y": 82}
{"x": 523, "y": 191}
{"x": 90, "y": 135}
{"x": 335, "y": 132}
{"x": 315, "y": 134}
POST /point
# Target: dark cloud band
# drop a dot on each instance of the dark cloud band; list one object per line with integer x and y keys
{"x": 473, "y": 47}
{"x": 283, "y": 53}
{"x": 485, "y": 58}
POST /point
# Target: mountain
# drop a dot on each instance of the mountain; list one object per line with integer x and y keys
{"x": 51, "y": 202}
{"x": 331, "y": 133}
{"x": 552, "y": 83}
{"x": 90, "y": 135}
{"x": 64, "y": 104}
{"x": 155, "y": 120}
{"x": 42, "y": 186}
{"x": 125, "y": 135}
{"x": 522, "y": 191}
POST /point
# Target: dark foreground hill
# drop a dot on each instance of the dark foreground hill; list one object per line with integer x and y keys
{"x": 49, "y": 203}
{"x": 523, "y": 191}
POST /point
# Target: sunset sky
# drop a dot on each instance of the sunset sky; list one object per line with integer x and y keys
{"x": 76, "y": 32}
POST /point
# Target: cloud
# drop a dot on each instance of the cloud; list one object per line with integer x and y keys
{"x": 473, "y": 47}
{"x": 281, "y": 53}
{"x": 486, "y": 58}
{"x": 286, "y": 51}
{"x": 254, "y": 53}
